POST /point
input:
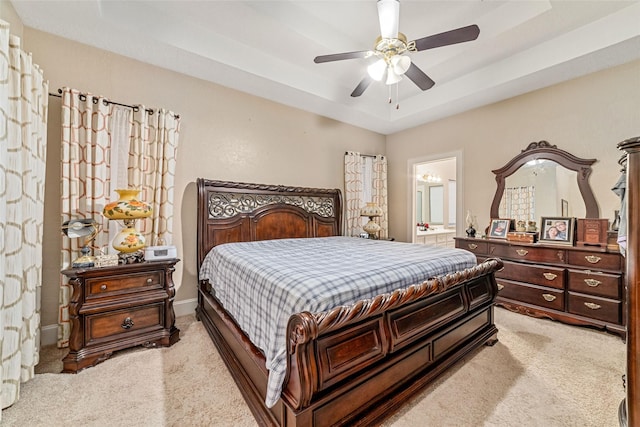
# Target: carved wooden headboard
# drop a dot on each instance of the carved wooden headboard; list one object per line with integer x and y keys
{"x": 241, "y": 212}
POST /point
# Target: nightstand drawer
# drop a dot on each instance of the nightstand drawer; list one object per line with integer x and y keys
{"x": 123, "y": 284}
{"x": 99, "y": 327}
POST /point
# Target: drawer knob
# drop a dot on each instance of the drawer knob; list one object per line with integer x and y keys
{"x": 473, "y": 246}
{"x": 522, "y": 252}
{"x": 592, "y": 306}
{"x": 592, "y": 282}
{"x": 549, "y": 297}
{"x": 500, "y": 287}
{"x": 549, "y": 276}
{"x": 592, "y": 259}
{"x": 149, "y": 281}
{"x": 103, "y": 287}
{"x": 127, "y": 323}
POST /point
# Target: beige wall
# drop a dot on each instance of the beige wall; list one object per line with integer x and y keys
{"x": 225, "y": 134}
{"x": 587, "y": 117}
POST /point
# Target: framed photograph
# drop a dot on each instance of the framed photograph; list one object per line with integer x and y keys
{"x": 565, "y": 207}
{"x": 557, "y": 230}
{"x": 499, "y": 228}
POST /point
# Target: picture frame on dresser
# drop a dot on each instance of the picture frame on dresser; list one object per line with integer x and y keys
{"x": 557, "y": 230}
{"x": 499, "y": 228}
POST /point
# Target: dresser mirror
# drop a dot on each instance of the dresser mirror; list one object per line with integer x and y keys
{"x": 551, "y": 181}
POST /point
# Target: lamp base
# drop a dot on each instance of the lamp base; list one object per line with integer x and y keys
{"x": 85, "y": 260}
{"x": 131, "y": 257}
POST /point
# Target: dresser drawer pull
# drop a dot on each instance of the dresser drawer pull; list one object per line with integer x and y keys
{"x": 127, "y": 323}
{"x": 592, "y": 306}
{"x": 103, "y": 287}
{"x": 549, "y": 276}
{"x": 500, "y": 287}
{"x": 592, "y": 259}
{"x": 522, "y": 252}
{"x": 549, "y": 297}
{"x": 592, "y": 282}
{"x": 473, "y": 246}
{"x": 149, "y": 280}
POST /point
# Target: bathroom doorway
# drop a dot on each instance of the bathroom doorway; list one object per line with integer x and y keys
{"x": 435, "y": 189}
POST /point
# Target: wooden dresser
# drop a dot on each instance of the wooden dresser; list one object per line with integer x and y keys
{"x": 113, "y": 308}
{"x": 576, "y": 285}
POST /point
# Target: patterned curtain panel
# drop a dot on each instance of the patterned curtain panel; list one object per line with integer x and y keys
{"x": 152, "y": 167}
{"x": 365, "y": 180}
{"x": 84, "y": 187}
{"x": 23, "y": 143}
{"x": 518, "y": 203}
{"x": 116, "y": 148}
{"x": 379, "y": 193}
{"x": 353, "y": 188}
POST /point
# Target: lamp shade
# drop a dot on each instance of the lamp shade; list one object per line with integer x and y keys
{"x": 371, "y": 210}
{"x": 128, "y": 209}
{"x": 127, "y": 206}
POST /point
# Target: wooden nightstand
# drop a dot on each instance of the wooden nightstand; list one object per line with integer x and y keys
{"x": 113, "y": 308}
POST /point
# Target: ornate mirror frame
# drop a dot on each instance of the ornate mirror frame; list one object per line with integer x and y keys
{"x": 546, "y": 151}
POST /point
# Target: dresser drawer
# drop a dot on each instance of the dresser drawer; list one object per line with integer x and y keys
{"x": 111, "y": 324}
{"x": 596, "y": 260}
{"x": 534, "y": 274}
{"x": 532, "y": 294}
{"x": 595, "y": 308}
{"x": 528, "y": 253}
{"x": 123, "y": 283}
{"x": 478, "y": 247}
{"x": 596, "y": 283}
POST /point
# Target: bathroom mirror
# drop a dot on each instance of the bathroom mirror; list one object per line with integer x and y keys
{"x": 553, "y": 181}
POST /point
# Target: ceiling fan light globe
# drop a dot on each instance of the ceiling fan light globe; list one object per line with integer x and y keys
{"x": 400, "y": 64}
{"x": 392, "y": 77}
{"x": 389, "y": 16}
{"x": 377, "y": 69}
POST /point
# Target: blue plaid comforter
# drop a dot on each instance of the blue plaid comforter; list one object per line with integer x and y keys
{"x": 261, "y": 284}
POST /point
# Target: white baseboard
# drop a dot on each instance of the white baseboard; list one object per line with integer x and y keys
{"x": 49, "y": 333}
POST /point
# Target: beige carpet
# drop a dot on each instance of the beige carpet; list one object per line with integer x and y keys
{"x": 541, "y": 373}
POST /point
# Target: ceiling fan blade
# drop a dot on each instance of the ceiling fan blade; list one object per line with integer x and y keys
{"x": 417, "y": 76}
{"x": 341, "y": 56}
{"x": 362, "y": 86}
{"x": 459, "y": 35}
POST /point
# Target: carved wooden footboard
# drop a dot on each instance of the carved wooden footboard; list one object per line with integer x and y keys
{"x": 356, "y": 364}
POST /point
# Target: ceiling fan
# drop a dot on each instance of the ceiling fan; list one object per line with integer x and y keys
{"x": 391, "y": 49}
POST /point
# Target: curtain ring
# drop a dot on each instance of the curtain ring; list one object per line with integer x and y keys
{"x": 94, "y": 100}
{"x": 82, "y": 97}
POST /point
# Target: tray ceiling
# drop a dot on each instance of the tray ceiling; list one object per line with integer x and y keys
{"x": 266, "y": 48}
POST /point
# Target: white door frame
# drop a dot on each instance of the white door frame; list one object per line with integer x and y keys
{"x": 411, "y": 186}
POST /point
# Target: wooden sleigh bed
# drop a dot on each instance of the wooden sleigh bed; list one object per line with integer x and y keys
{"x": 354, "y": 364}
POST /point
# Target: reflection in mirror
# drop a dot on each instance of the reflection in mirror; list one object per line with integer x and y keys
{"x": 544, "y": 180}
{"x": 541, "y": 188}
{"x": 436, "y": 204}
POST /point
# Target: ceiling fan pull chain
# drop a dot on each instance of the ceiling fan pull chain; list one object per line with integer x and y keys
{"x": 397, "y": 98}
{"x": 389, "y": 87}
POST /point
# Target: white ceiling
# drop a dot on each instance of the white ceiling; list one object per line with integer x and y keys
{"x": 266, "y": 48}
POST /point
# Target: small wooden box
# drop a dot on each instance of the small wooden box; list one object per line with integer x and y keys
{"x": 592, "y": 231}
{"x": 522, "y": 237}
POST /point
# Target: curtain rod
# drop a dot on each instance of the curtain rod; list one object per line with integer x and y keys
{"x": 363, "y": 155}
{"x": 83, "y": 96}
